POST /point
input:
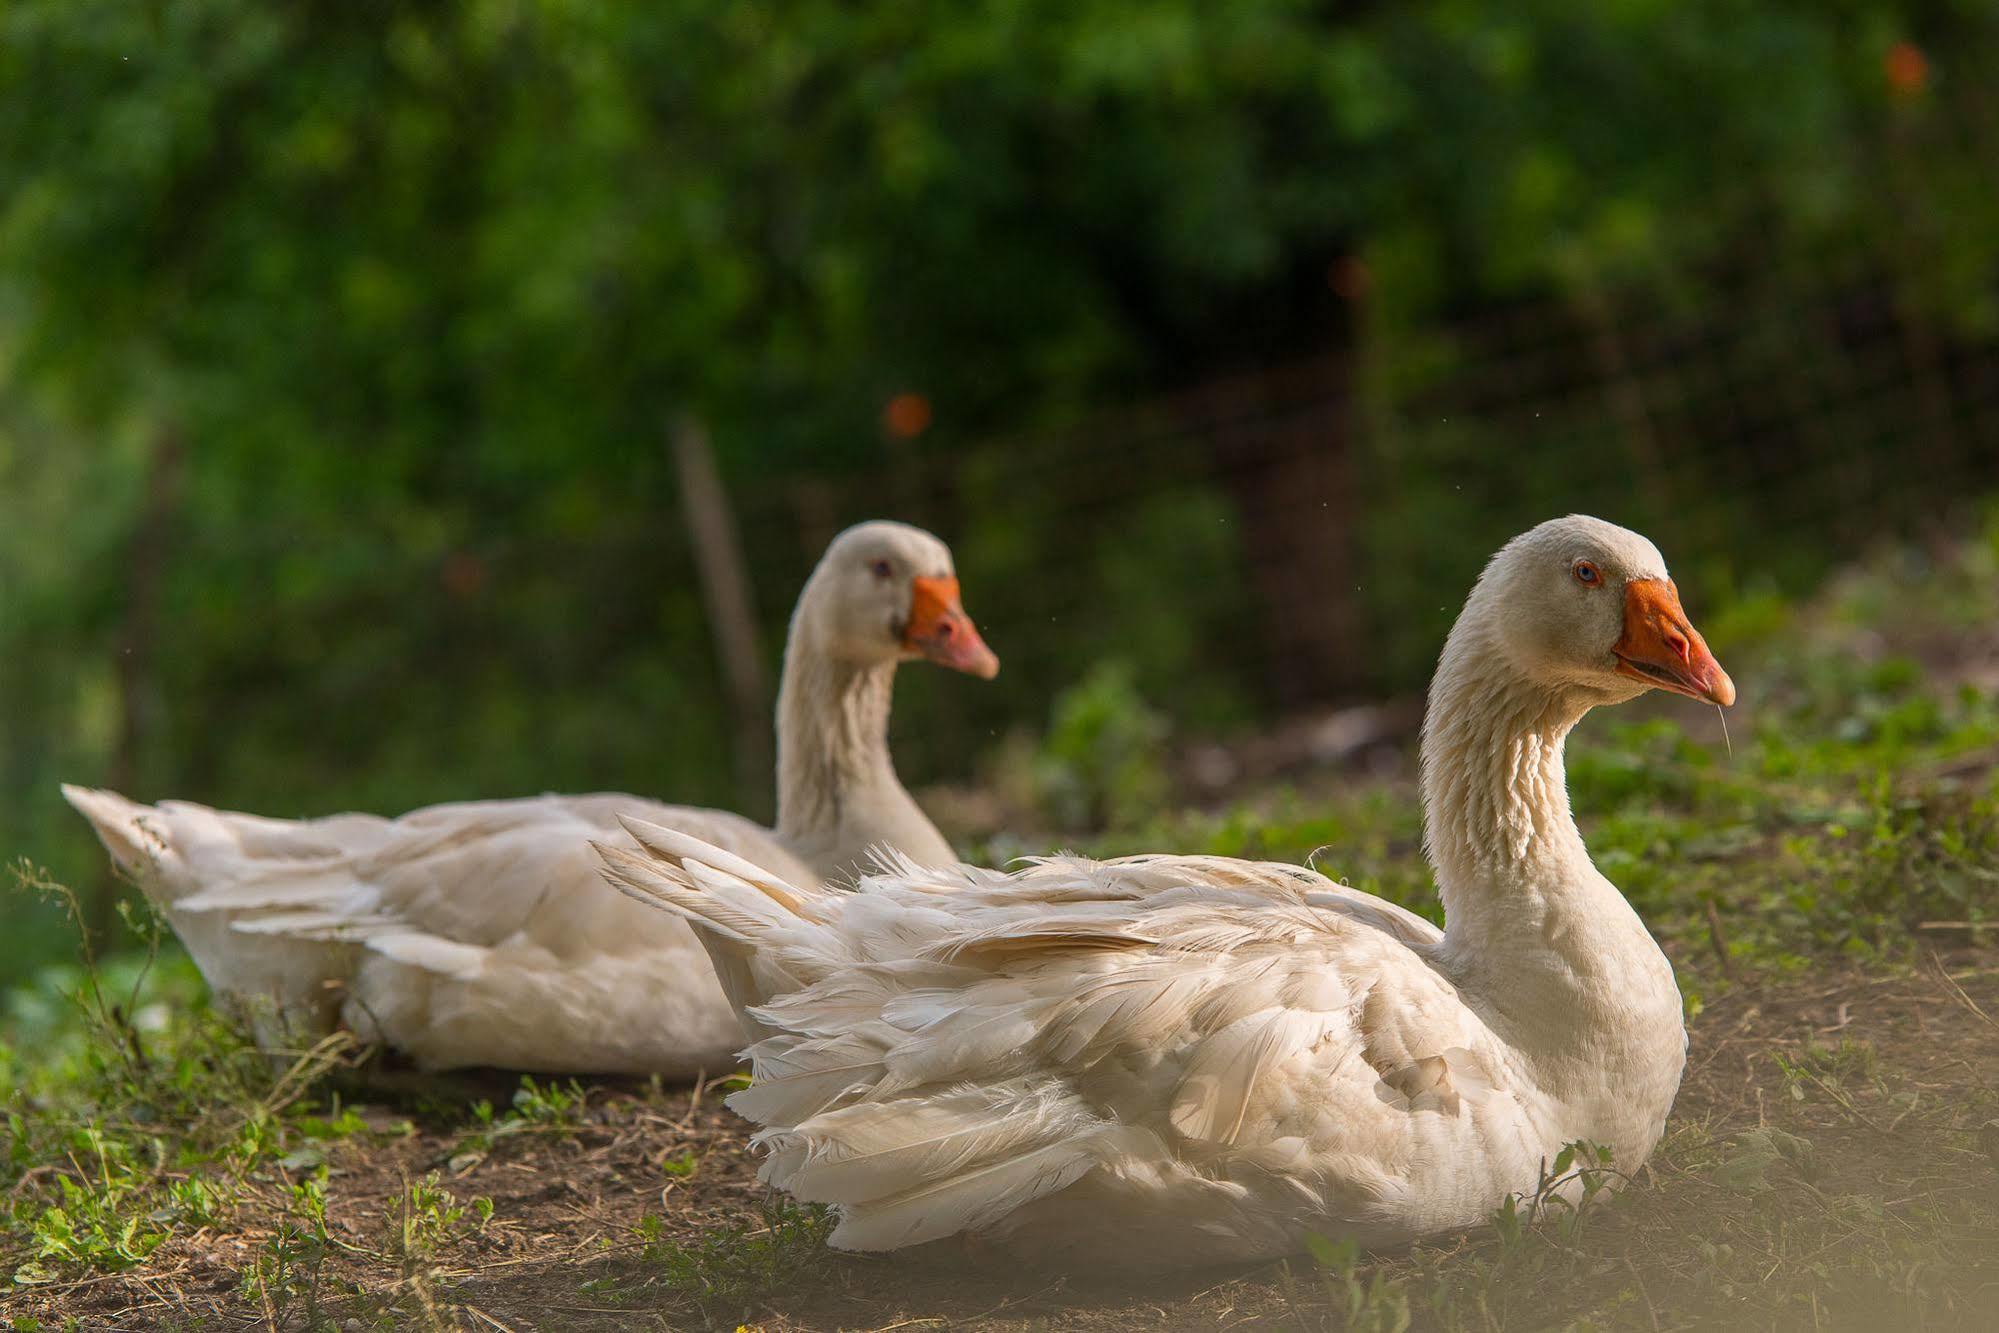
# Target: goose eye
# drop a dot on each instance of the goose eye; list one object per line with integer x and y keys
{"x": 882, "y": 569}
{"x": 1586, "y": 574}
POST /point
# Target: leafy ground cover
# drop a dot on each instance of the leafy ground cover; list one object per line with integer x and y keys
{"x": 1826, "y": 882}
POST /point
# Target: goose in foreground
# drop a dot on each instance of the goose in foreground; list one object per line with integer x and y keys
{"x": 480, "y": 934}
{"x": 1169, "y": 1060}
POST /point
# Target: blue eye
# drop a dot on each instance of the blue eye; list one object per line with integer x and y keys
{"x": 1587, "y": 574}
{"x": 882, "y": 569}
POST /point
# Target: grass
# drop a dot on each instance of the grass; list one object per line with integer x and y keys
{"x": 1827, "y": 887}
{"x": 726, "y": 1271}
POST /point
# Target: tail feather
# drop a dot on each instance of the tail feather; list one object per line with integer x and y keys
{"x": 127, "y": 829}
{"x": 679, "y": 849}
{"x": 797, "y": 1080}
{"x": 917, "y": 1169}
{"x": 265, "y": 906}
{"x": 277, "y": 979}
{"x": 971, "y": 1200}
{"x": 326, "y": 927}
{"x": 283, "y": 889}
{"x": 671, "y": 888}
{"x": 755, "y": 927}
{"x": 432, "y": 953}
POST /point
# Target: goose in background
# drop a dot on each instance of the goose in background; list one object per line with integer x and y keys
{"x": 479, "y": 933}
{"x": 1171, "y": 1060}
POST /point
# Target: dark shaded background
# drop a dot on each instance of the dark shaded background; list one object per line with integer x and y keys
{"x": 354, "y": 356}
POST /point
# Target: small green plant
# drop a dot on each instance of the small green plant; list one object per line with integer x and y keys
{"x": 1374, "y": 1305}
{"x": 1747, "y": 1168}
{"x": 538, "y": 1108}
{"x": 1580, "y": 1173}
{"x": 421, "y": 1222}
{"x": 287, "y": 1271}
{"x": 425, "y": 1217}
{"x": 731, "y": 1267}
{"x": 551, "y": 1105}
{"x": 137, "y": 1123}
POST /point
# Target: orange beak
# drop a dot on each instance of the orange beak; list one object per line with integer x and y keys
{"x": 940, "y": 630}
{"x": 1660, "y": 648}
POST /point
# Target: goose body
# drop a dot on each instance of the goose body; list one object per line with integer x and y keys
{"x": 1166, "y": 1060}
{"x": 478, "y": 933}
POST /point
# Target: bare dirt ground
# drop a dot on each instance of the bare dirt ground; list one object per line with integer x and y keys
{"x": 1833, "y": 1162}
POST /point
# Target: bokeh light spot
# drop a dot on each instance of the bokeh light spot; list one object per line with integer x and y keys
{"x": 1907, "y": 69}
{"x": 907, "y": 415}
{"x": 1349, "y": 278}
{"x": 463, "y": 575}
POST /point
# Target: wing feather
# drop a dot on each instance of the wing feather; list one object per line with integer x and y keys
{"x": 1225, "y": 1076}
{"x": 955, "y": 1044}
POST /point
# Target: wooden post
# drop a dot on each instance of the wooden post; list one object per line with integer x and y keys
{"x": 725, "y": 593}
{"x": 1283, "y": 450}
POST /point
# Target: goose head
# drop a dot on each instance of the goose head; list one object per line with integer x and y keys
{"x": 1586, "y": 607}
{"x": 886, "y": 592}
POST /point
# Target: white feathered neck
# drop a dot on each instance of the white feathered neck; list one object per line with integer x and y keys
{"x": 1495, "y": 794}
{"x": 1534, "y": 935}
{"x": 838, "y": 796}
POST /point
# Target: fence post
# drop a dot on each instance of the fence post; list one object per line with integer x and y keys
{"x": 725, "y": 595}
{"x": 1284, "y": 453}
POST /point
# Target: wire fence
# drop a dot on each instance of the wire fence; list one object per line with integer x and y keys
{"x": 1297, "y": 536}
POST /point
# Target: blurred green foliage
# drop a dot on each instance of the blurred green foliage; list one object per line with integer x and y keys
{"x": 414, "y": 291}
{"x": 1101, "y": 763}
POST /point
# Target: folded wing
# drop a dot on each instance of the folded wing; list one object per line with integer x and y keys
{"x": 1176, "y": 1021}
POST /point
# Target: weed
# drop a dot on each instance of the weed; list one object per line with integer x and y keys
{"x": 550, "y": 1105}
{"x": 1756, "y": 1152}
{"x": 733, "y": 1267}
{"x": 422, "y": 1221}
{"x": 1578, "y": 1176}
{"x": 538, "y": 1108}
{"x": 1376, "y": 1305}
{"x": 424, "y": 1218}
{"x": 287, "y": 1272}
{"x": 130, "y": 1132}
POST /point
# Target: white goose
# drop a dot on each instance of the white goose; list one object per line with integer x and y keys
{"x": 480, "y": 934}
{"x": 1172, "y": 1060}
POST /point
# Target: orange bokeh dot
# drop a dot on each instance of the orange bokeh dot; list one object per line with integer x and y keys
{"x": 463, "y": 575}
{"x": 907, "y": 415}
{"x": 1349, "y": 278}
{"x": 1907, "y": 69}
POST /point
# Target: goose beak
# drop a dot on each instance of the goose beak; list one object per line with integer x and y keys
{"x": 1662, "y": 649}
{"x": 940, "y": 630}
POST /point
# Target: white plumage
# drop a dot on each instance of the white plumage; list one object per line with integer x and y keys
{"x": 1165, "y": 1060}
{"x": 479, "y": 933}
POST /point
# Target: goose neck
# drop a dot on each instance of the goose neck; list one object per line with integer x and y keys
{"x": 1495, "y": 794}
{"x": 832, "y": 741}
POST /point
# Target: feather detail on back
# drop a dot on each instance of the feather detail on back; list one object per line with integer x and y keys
{"x": 1153, "y": 1023}
{"x": 1226, "y": 1071}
